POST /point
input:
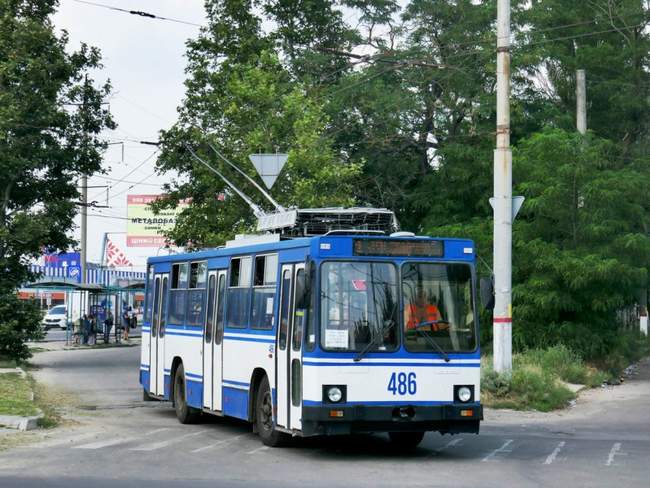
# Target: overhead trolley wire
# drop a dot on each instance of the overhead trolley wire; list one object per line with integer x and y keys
{"x": 139, "y": 13}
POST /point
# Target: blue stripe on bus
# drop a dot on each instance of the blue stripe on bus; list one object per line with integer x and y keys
{"x": 399, "y": 354}
{"x": 144, "y": 366}
{"x": 235, "y": 402}
{"x": 249, "y": 339}
{"x": 240, "y": 383}
{"x": 387, "y": 403}
{"x": 422, "y": 365}
{"x": 193, "y": 375}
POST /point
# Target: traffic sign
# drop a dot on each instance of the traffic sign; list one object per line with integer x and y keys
{"x": 269, "y": 166}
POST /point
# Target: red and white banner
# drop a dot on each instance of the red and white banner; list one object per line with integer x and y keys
{"x": 115, "y": 256}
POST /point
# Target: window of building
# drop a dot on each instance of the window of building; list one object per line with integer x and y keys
{"x": 266, "y": 272}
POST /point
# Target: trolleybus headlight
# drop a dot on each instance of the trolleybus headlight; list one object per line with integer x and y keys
{"x": 464, "y": 394}
{"x": 334, "y": 394}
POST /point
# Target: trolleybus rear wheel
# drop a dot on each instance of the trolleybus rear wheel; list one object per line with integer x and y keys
{"x": 406, "y": 440}
{"x": 264, "y": 417}
{"x": 184, "y": 413}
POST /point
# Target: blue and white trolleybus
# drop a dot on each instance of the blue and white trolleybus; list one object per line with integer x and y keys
{"x": 334, "y": 334}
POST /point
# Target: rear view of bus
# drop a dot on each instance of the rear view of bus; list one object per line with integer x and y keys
{"x": 396, "y": 348}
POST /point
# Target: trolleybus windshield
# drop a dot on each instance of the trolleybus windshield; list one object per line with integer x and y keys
{"x": 359, "y": 306}
{"x": 438, "y": 301}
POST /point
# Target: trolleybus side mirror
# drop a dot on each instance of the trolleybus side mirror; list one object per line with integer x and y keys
{"x": 487, "y": 293}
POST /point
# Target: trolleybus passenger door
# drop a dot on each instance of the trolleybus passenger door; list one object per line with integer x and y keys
{"x": 208, "y": 341}
{"x": 282, "y": 348}
{"x": 157, "y": 344}
{"x": 217, "y": 359}
{"x": 297, "y": 327}
{"x": 213, "y": 341}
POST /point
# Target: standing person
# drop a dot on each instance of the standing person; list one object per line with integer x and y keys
{"x": 92, "y": 329}
{"x": 126, "y": 323}
{"x": 78, "y": 330}
{"x": 108, "y": 325}
{"x": 85, "y": 329}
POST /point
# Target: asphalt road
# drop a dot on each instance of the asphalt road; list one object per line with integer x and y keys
{"x": 119, "y": 441}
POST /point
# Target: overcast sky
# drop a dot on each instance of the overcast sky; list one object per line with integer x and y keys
{"x": 145, "y": 61}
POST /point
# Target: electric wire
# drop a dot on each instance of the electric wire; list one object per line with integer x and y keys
{"x": 139, "y": 13}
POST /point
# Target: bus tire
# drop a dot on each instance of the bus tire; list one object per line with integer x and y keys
{"x": 264, "y": 423}
{"x": 184, "y": 413}
{"x": 406, "y": 440}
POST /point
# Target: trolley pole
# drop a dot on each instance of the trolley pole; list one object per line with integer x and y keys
{"x": 502, "y": 315}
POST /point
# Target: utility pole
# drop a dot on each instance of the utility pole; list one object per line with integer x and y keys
{"x": 502, "y": 204}
{"x": 84, "y": 226}
{"x": 581, "y": 101}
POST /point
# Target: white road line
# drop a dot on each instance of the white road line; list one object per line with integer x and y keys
{"x": 614, "y": 451}
{"x": 259, "y": 449}
{"x": 159, "y": 445}
{"x": 67, "y": 440}
{"x": 157, "y": 431}
{"x": 218, "y": 443}
{"x": 551, "y": 457}
{"x": 107, "y": 443}
{"x": 449, "y": 444}
{"x": 498, "y": 451}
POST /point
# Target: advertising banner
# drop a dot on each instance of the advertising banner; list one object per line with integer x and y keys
{"x": 144, "y": 229}
{"x": 67, "y": 264}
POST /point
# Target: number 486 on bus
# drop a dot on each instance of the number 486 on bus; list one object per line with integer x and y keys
{"x": 401, "y": 384}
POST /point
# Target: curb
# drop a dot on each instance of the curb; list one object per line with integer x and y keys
{"x": 20, "y": 423}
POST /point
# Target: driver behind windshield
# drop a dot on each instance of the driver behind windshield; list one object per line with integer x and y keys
{"x": 421, "y": 310}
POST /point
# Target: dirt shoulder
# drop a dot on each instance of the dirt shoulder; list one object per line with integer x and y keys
{"x": 595, "y": 402}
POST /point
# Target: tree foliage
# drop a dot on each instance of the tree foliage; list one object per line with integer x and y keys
{"x": 50, "y": 118}
{"x": 406, "y": 120}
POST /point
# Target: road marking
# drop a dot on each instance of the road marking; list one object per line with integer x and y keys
{"x": 67, "y": 440}
{"x": 449, "y": 444}
{"x": 551, "y": 457}
{"x": 218, "y": 443}
{"x": 259, "y": 449}
{"x": 157, "y": 431}
{"x": 159, "y": 445}
{"x": 107, "y": 443}
{"x": 614, "y": 451}
{"x": 498, "y": 451}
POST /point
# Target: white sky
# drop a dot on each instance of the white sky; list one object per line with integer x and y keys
{"x": 145, "y": 61}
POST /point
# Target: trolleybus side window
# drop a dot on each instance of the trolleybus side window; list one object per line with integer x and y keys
{"x": 163, "y": 307}
{"x": 178, "y": 294}
{"x": 239, "y": 292}
{"x": 149, "y": 297}
{"x": 154, "y": 319}
{"x": 266, "y": 272}
{"x": 300, "y": 310}
{"x": 209, "y": 320}
{"x": 196, "y": 295}
{"x": 284, "y": 309}
{"x": 218, "y": 333}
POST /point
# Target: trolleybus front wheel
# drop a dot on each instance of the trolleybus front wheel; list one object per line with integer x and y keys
{"x": 264, "y": 417}
{"x": 184, "y": 413}
{"x": 406, "y": 440}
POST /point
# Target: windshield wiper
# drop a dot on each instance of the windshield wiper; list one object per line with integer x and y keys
{"x": 373, "y": 342}
{"x": 430, "y": 339}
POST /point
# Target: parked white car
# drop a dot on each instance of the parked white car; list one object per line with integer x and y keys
{"x": 56, "y": 317}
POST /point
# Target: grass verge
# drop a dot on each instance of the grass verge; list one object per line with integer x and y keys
{"x": 16, "y": 395}
{"x": 538, "y": 380}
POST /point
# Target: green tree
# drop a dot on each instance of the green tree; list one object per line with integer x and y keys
{"x": 50, "y": 118}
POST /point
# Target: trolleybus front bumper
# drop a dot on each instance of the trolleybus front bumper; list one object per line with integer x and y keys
{"x": 332, "y": 419}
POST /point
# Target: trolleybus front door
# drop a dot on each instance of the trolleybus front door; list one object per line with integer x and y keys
{"x": 213, "y": 340}
{"x": 289, "y": 348}
{"x": 157, "y": 344}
